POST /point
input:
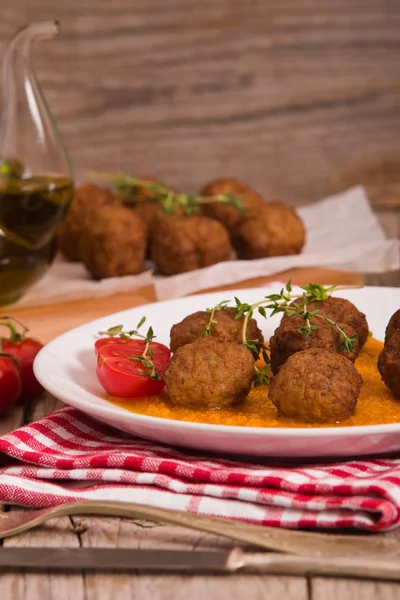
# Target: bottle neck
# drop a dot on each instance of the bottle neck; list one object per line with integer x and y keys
{"x": 22, "y": 110}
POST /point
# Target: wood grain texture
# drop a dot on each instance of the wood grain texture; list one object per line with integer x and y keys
{"x": 138, "y": 534}
{"x": 335, "y": 589}
{"x": 300, "y": 98}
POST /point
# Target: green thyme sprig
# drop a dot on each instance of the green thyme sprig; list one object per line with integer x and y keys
{"x": 239, "y": 309}
{"x": 261, "y": 376}
{"x": 282, "y": 302}
{"x": 346, "y": 342}
{"x": 313, "y": 292}
{"x": 277, "y": 303}
{"x": 171, "y": 202}
{"x": 307, "y": 315}
{"x": 212, "y": 320}
{"x": 147, "y": 356}
{"x": 309, "y": 326}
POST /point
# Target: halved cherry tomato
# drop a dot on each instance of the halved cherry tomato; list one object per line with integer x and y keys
{"x": 135, "y": 348}
{"x": 112, "y": 340}
{"x": 125, "y": 378}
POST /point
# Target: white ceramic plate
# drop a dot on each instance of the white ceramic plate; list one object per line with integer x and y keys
{"x": 66, "y": 368}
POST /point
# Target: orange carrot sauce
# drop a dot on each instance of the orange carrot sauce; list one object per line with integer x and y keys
{"x": 376, "y": 403}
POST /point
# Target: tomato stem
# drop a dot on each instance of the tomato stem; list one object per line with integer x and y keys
{"x": 16, "y": 337}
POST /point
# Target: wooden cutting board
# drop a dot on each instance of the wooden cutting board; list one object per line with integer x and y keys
{"x": 48, "y": 321}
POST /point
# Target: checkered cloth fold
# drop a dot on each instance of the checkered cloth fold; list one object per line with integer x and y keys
{"x": 66, "y": 456}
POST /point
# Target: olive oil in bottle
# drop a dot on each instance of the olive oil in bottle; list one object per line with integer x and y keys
{"x": 30, "y": 212}
{"x": 35, "y": 171}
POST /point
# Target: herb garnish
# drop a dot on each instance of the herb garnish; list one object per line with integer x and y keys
{"x": 171, "y": 201}
{"x": 280, "y": 303}
{"x": 147, "y": 356}
{"x": 261, "y": 376}
{"x": 277, "y": 303}
{"x": 212, "y": 320}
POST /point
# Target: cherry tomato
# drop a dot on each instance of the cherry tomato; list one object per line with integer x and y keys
{"x": 112, "y": 340}
{"x": 25, "y": 352}
{"x": 136, "y": 347}
{"x": 10, "y": 383}
{"x": 124, "y": 378}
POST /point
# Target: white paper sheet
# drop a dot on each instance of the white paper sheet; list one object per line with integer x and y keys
{"x": 70, "y": 281}
{"x": 342, "y": 233}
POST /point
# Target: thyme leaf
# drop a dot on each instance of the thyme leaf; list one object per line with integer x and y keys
{"x": 171, "y": 201}
{"x": 212, "y": 320}
{"x": 147, "y": 356}
{"x": 282, "y": 302}
{"x": 261, "y": 376}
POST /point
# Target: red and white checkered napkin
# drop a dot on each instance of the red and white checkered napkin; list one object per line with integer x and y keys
{"x": 66, "y": 456}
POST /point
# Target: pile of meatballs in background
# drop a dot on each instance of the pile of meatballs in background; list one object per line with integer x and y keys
{"x": 113, "y": 239}
{"x": 314, "y": 379}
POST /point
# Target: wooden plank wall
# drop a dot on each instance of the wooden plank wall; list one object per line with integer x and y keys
{"x": 299, "y": 97}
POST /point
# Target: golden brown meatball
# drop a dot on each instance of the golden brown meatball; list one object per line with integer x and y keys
{"x": 389, "y": 363}
{"x": 316, "y": 386}
{"x": 87, "y": 200}
{"x": 148, "y": 211}
{"x": 141, "y": 194}
{"x": 114, "y": 244}
{"x": 287, "y": 340}
{"x": 274, "y": 229}
{"x": 393, "y": 325}
{"x": 226, "y": 328}
{"x": 340, "y": 310}
{"x": 209, "y": 373}
{"x": 225, "y": 213}
{"x": 181, "y": 244}
{"x": 142, "y": 201}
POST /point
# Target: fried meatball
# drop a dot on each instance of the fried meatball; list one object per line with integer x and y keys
{"x": 209, "y": 373}
{"x": 316, "y": 386}
{"x": 87, "y": 200}
{"x": 226, "y": 328}
{"x": 393, "y": 325}
{"x": 181, "y": 244}
{"x": 143, "y": 201}
{"x": 274, "y": 229}
{"x": 114, "y": 244}
{"x": 340, "y": 310}
{"x": 287, "y": 340}
{"x": 226, "y": 213}
{"x": 141, "y": 194}
{"x": 148, "y": 211}
{"x": 389, "y": 363}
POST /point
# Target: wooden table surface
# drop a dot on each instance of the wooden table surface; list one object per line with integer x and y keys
{"x": 49, "y": 321}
